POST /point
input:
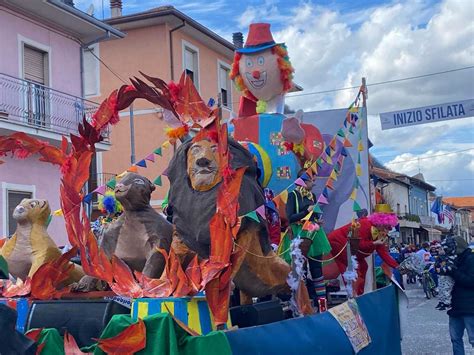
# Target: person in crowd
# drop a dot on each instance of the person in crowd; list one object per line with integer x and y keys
{"x": 314, "y": 243}
{"x": 443, "y": 265}
{"x": 273, "y": 219}
{"x": 461, "y": 314}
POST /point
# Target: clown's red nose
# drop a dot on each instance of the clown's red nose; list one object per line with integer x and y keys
{"x": 256, "y": 74}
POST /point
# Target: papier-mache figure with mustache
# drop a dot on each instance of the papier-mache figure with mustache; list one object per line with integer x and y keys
{"x": 263, "y": 73}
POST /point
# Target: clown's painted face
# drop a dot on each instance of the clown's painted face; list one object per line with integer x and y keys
{"x": 261, "y": 74}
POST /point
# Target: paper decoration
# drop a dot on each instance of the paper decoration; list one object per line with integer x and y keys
{"x": 308, "y": 216}
{"x": 150, "y": 157}
{"x": 333, "y": 144}
{"x": 347, "y": 143}
{"x": 121, "y": 175}
{"x": 341, "y": 133}
{"x": 59, "y": 212}
{"x": 325, "y": 192}
{"x": 358, "y": 158}
{"x": 358, "y": 170}
{"x": 253, "y": 215}
{"x": 158, "y": 151}
{"x": 100, "y": 190}
{"x": 356, "y": 207}
{"x": 141, "y": 163}
{"x": 323, "y": 200}
{"x": 351, "y": 131}
{"x": 344, "y": 152}
{"x": 328, "y": 150}
{"x": 158, "y": 181}
{"x": 284, "y": 196}
{"x": 111, "y": 184}
{"x": 328, "y": 160}
{"x": 87, "y": 198}
{"x": 317, "y": 209}
{"x": 360, "y": 147}
{"x": 261, "y": 211}
{"x": 333, "y": 175}
{"x": 300, "y": 182}
{"x": 166, "y": 144}
{"x": 353, "y": 195}
{"x": 133, "y": 169}
{"x": 330, "y": 184}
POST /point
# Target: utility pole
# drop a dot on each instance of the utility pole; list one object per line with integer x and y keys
{"x": 132, "y": 136}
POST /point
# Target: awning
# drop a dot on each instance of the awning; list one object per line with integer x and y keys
{"x": 432, "y": 231}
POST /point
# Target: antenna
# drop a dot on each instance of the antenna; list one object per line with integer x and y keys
{"x": 90, "y": 10}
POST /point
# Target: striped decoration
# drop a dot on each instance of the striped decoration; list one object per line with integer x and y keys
{"x": 194, "y": 312}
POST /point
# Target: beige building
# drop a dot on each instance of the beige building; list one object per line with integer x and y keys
{"x": 162, "y": 42}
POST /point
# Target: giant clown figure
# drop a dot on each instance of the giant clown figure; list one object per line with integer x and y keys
{"x": 263, "y": 73}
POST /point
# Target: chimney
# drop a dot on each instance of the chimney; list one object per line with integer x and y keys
{"x": 115, "y": 8}
{"x": 238, "y": 39}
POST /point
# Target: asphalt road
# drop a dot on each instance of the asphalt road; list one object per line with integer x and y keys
{"x": 427, "y": 331}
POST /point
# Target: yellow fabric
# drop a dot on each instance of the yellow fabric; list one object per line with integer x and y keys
{"x": 383, "y": 208}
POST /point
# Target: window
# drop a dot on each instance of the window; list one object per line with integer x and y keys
{"x": 224, "y": 84}
{"x": 406, "y": 210}
{"x": 398, "y": 209}
{"x": 191, "y": 62}
{"x": 91, "y": 71}
{"x": 36, "y": 71}
{"x": 13, "y": 199}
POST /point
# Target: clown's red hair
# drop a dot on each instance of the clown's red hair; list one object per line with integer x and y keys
{"x": 284, "y": 64}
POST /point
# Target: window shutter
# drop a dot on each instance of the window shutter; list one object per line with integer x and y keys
{"x": 34, "y": 65}
{"x": 223, "y": 78}
{"x": 91, "y": 81}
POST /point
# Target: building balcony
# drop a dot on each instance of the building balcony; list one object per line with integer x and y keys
{"x": 40, "y": 111}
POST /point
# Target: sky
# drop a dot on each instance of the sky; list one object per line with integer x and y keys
{"x": 333, "y": 44}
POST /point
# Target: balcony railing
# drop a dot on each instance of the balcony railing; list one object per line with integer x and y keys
{"x": 39, "y": 106}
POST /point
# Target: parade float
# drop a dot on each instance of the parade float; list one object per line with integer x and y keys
{"x": 177, "y": 278}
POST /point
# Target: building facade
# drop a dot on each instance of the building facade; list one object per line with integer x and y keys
{"x": 161, "y": 42}
{"x": 41, "y": 94}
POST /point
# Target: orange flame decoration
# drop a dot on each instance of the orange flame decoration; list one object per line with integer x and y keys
{"x": 131, "y": 340}
{"x": 213, "y": 275}
{"x": 70, "y": 345}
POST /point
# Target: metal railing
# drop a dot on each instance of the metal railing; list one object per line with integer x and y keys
{"x": 36, "y": 105}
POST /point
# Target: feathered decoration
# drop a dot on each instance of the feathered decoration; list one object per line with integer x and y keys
{"x": 383, "y": 219}
{"x": 177, "y": 133}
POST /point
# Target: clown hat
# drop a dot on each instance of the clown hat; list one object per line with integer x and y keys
{"x": 383, "y": 208}
{"x": 259, "y": 38}
{"x": 383, "y": 216}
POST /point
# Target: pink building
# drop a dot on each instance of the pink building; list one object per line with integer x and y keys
{"x": 41, "y": 93}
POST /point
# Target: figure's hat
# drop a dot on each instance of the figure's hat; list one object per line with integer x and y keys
{"x": 383, "y": 208}
{"x": 259, "y": 38}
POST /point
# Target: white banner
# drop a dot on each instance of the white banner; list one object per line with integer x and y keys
{"x": 427, "y": 114}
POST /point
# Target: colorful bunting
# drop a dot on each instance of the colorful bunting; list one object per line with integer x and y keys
{"x": 308, "y": 216}
{"x": 133, "y": 169}
{"x": 325, "y": 192}
{"x": 252, "y": 215}
{"x": 358, "y": 158}
{"x": 100, "y": 190}
{"x": 166, "y": 144}
{"x": 150, "y": 157}
{"x": 360, "y": 147}
{"x": 356, "y": 207}
{"x": 87, "y": 198}
{"x": 317, "y": 209}
{"x": 121, "y": 175}
{"x": 323, "y": 200}
{"x": 351, "y": 131}
{"x": 333, "y": 144}
{"x": 353, "y": 195}
{"x": 141, "y": 163}
{"x": 347, "y": 143}
{"x": 158, "y": 151}
{"x": 344, "y": 152}
{"x": 328, "y": 160}
{"x": 299, "y": 182}
{"x": 58, "y": 212}
{"x": 341, "y": 133}
{"x": 111, "y": 183}
{"x": 158, "y": 181}
{"x": 330, "y": 184}
{"x": 284, "y": 196}
{"x": 358, "y": 170}
{"x": 261, "y": 211}
{"x": 333, "y": 175}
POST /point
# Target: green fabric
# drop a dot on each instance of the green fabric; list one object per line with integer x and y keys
{"x": 54, "y": 343}
{"x": 380, "y": 277}
{"x": 319, "y": 246}
{"x": 164, "y": 336}
{"x": 3, "y": 268}
{"x": 165, "y": 202}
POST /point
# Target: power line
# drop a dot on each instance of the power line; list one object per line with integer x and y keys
{"x": 431, "y": 156}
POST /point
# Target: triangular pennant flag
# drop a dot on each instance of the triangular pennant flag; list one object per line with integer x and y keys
{"x": 330, "y": 184}
{"x": 133, "y": 169}
{"x": 141, "y": 163}
{"x": 360, "y": 147}
{"x": 358, "y": 158}
{"x": 358, "y": 170}
{"x": 354, "y": 109}
{"x": 307, "y": 225}
{"x": 323, "y": 200}
{"x": 59, "y": 212}
{"x": 111, "y": 184}
{"x": 351, "y": 131}
{"x": 261, "y": 211}
{"x": 121, "y": 175}
{"x": 333, "y": 144}
{"x": 284, "y": 196}
{"x": 100, "y": 190}
{"x": 344, "y": 152}
{"x": 328, "y": 150}
{"x": 308, "y": 216}
{"x": 341, "y": 133}
{"x": 158, "y": 181}
{"x": 314, "y": 168}
{"x": 150, "y": 157}
{"x": 253, "y": 215}
{"x": 347, "y": 143}
{"x": 299, "y": 182}
{"x": 319, "y": 162}
{"x": 328, "y": 160}
{"x": 345, "y": 123}
{"x": 337, "y": 168}
{"x": 48, "y": 221}
{"x": 325, "y": 192}
{"x": 356, "y": 207}
{"x": 353, "y": 195}
{"x": 87, "y": 198}
{"x": 158, "y": 151}
{"x": 333, "y": 174}
{"x": 317, "y": 209}
{"x": 166, "y": 144}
